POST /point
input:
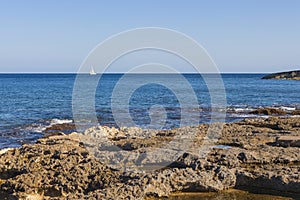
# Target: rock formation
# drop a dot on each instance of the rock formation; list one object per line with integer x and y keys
{"x": 255, "y": 153}
{"x": 291, "y": 75}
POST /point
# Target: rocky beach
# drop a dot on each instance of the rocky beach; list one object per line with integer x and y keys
{"x": 150, "y": 100}
{"x": 260, "y": 155}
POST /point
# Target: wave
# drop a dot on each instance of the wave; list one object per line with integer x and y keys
{"x": 295, "y": 116}
{"x": 242, "y": 116}
{"x": 37, "y": 128}
{"x": 243, "y": 109}
{"x": 285, "y": 108}
{"x": 60, "y": 121}
{"x": 238, "y": 109}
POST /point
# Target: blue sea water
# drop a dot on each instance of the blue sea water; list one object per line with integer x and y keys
{"x": 31, "y": 102}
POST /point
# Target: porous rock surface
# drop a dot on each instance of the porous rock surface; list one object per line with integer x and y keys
{"x": 111, "y": 163}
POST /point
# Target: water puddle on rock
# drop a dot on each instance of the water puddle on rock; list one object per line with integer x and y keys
{"x": 228, "y": 195}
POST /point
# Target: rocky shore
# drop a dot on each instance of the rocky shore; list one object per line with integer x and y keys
{"x": 291, "y": 75}
{"x": 261, "y": 155}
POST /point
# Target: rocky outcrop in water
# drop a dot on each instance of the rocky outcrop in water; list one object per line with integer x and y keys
{"x": 291, "y": 75}
{"x": 275, "y": 111}
{"x": 268, "y": 111}
{"x": 249, "y": 154}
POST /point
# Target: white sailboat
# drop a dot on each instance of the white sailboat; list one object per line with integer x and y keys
{"x": 92, "y": 72}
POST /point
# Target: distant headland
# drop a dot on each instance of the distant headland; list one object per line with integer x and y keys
{"x": 290, "y": 75}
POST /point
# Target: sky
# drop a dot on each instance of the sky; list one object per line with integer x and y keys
{"x": 240, "y": 36}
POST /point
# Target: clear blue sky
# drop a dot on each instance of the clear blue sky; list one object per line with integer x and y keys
{"x": 241, "y": 35}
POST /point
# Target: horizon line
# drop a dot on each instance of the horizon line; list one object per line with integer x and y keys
{"x": 137, "y": 73}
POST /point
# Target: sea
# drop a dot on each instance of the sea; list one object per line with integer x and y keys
{"x": 32, "y": 102}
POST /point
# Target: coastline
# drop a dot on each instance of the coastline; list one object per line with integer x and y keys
{"x": 289, "y": 75}
{"x": 248, "y": 156}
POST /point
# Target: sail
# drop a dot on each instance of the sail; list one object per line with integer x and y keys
{"x": 92, "y": 72}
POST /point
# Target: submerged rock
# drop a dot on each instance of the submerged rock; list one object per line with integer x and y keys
{"x": 268, "y": 111}
{"x": 59, "y": 129}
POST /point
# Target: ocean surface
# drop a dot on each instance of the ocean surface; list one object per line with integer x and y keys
{"x": 32, "y": 102}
